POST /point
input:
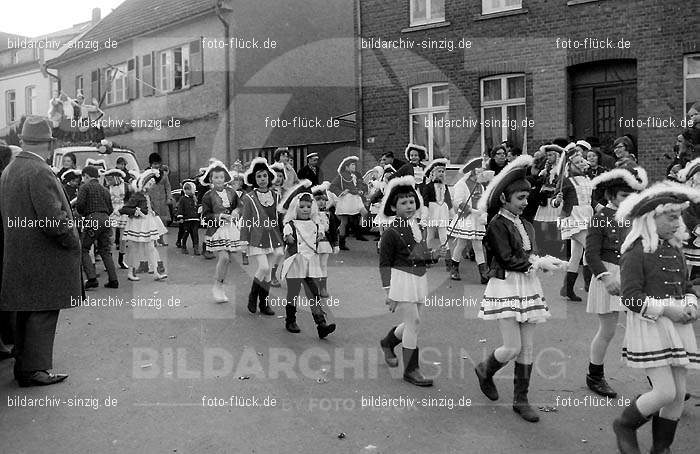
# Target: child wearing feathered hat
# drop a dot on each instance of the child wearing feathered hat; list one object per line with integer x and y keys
{"x": 119, "y": 192}
{"x": 260, "y": 230}
{"x": 513, "y": 295}
{"x": 302, "y": 235}
{"x": 575, "y": 199}
{"x": 546, "y": 180}
{"x": 143, "y": 227}
{"x": 188, "y": 216}
{"x": 661, "y": 308}
{"x": 603, "y": 242}
{"x": 690, "y": 176}
{"x": 330, "y": 225}
{"x": 279, "y": 188}
{"x": 403, "y": 255}
{"x": 71, "y": 180}
{"x": 437, "y": 209}
{"x": 238, "y": 185}
{"x": 469, "y": 225}
{"x": 350, "y": 206}
{"x": 221, "y": 210}
{"x": 373, "y": 178}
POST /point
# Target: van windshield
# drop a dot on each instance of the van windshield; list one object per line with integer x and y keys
{"x": 109, "y": 159}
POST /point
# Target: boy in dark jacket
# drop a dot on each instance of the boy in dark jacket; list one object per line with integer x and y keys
{"x": 188, "y": 216}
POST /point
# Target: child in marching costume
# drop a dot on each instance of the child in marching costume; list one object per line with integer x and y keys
{"x": 603, "y": 242}
{"x": 221, "y": 210}
{"x": 188, "y": 216}
{"x": 350, "y": 206}
{"x": 238, "y": 185}
{"x": 576, "y": 213}
{"x": 143, "y": 227}
{"x": 437, "y": 209}
{"x": 302, "y": 235}
{"x": 119, "y": 192}
{"x": 469, "y": 225}
{"x": 415, "y": 155}
{"x": 690, "y": 176}
{"x": 330, "y": 225}
{"x": 547, "y": 216}
{"x": 278, "y": 189}
{"x": 513, "y": 295}
{"x": 661, "y": 307}
{"x": 403, "y": 254}
{"x": 261, "y": 232}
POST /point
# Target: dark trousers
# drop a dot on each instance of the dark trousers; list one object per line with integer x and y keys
{"x": 34, "y": 341}
{"x": 117, "y": 237}
{"x": 102, "y": 238}
{"x": 312, "y": 293}
{"x": 191, "y": 228}
{"x": 180, "y": 232}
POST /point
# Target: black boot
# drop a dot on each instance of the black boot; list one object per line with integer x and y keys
{"x": 160, "y": 267}
{"x": 663, "y": 430}
{"x": 471, "y": 255}
{"x": 322, "y": 289}
{"x": 120, "y": 262}
{"x": 253, "y": 296}
{"x": 448, "y": 266}
{"x": 341, "y": 241}
{"x": 570, "y": 282}
{"x": 411, "y": 371}
{"x": 244, "y": 258}
{"x": 208, "y": 255}
{"x": 483, "y": 273}
{"x": 521, "y": 384}
{"x": 262, "y": 296}
{"x": 454, "y": 273}
{"x": 388, "y": 344}
{"x": 91, "y": 283}
{"x": 290, "y": 321}
{"x": 625, "y": 428}
{"x": 322, "y": 327}
{"x": 596, "y": 381}
{"x": 274, "y": 282}
{"x": 587, "y": 274}
{"x": 485, "y": 371}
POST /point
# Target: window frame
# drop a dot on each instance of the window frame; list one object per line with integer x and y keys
{"x": 10, "y": 106}
{"x": 79, "y": 85}
{"x": 430, "y": 111}
{"x": 31, "y": 100}
{"x": 686, "y": 76}
{"x": 428, "y": 19}
{"x": 503, "y": 104}
{"x": 170, "y": 75}
{"x": 113, "y": 81}
{"x": 499, "y": 10}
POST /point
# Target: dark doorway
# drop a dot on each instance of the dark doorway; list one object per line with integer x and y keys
{"x": 601, "y": 95}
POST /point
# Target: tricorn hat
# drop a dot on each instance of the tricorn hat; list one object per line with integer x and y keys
{"x": 422, "y": 152}
{"x": 690, "y": 169}
{"x": 347, "y": 161}
{"x": 299, "y": 188}
{"x": 256, "y": 165}
{"x": 392, "y": 187}
{"x": 439, "y": 162}
{"x": 144, "y": 177}
{"x": 115, "y": 172}
{"x": 214, "y": 166}
{"x": 660, "y": 197}
{"x": 514, "y": 171}
{"x": 630, "y": 179}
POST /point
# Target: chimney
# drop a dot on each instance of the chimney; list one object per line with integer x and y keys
{"x": 96, "y": 15}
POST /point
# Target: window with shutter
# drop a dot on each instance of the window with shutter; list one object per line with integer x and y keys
{"x": 131, "y": 78}
{"x": 147, "y": 75}
{"x": 95, "y": 86}
{"x": 196, "y": 63}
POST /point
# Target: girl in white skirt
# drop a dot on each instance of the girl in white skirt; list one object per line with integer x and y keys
{"x": 119, "y": 192}
{"x": 690, "y": 176}
{"x": 662, "y": 306}
{"x": 143, "y": 227}
{"x": 469, "y": 225}
{"x": 403, "y": 254}
{"x": 603, "y": 242}
{"x": 330, "y": 224}
{"x": 547, "y": 216}
{"x": 437, "y": 209}
{"x": 350, "y": 189}
{"x": 576, "y": 213}
{"x": 220, "y": 211}
{"x": 513, "y": 295}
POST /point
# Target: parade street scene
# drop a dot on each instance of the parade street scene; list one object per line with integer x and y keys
{"x": 349, "y": 226}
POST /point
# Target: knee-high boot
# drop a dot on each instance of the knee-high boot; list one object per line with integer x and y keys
{"x": 663, "y": 430}
{"x": 262, "y": 295}
{"x": 253, "y": 296}
{"x": 411, "y": 371}
{"x": 388, "y": 344}
{"x": 521, "y": 384}
{"x": 625, "y": 428}
{"x": 485, "y": 371}
{"x": 290, "y": 320}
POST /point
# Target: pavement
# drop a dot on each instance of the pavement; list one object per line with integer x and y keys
{"x": 161, "y": 368}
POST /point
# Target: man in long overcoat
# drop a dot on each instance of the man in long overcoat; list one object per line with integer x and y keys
{"x": 41, "y": 262}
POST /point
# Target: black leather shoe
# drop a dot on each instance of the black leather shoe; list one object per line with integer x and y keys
{"x": 41, "y": 378}
{"x": 112, "y": 284}
{"x": 292, "y": 327}
{"x": 91, "y": 283}
{"x": 599, "y": 386}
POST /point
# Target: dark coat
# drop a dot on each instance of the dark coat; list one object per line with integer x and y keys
{"x": 41, "y": 265}
{"x": 604, "y": 240}
{"x": 398, "y": 249}
{"x": 308, "y": 173}
{"x": 505, "y": 247}
{"x": 213, "y": 206}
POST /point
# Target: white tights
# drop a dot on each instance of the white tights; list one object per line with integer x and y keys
{"x": 459, "y": 244}
{"x": 407, "y": 331}
{"x": 265, "y": 262}
{"x": 517, "y": 341}
{"x": 606, "y": 331}
{"x": 667, "y": 393}
{"x": 578, "y": 242}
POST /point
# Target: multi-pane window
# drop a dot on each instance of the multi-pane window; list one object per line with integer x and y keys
{"x": 116, "y": 78}
{"x": 174, "y": 68}
{"x": 79, "y": 85}
{"x": 429, "y": 107}
{"x": 503, "y": 111}
{"x": 10, "y": 106}
{"x": 427, "y": 11}
{"x": 31, "y": 100}
{"x": 497, "y": 6}
{"x": 692, "y": 81}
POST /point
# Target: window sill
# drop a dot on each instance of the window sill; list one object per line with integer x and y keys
{"x": 579, "y": 2}
{"x": 415, "y": 28}
{"x": 171, "y": 92}
{"x": 117, "y": 104}
{"x": 513, "y": 12}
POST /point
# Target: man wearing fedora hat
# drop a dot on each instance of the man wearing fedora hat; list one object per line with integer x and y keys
{"x": 41, "y": 263}
{"x": 311, "y": 171}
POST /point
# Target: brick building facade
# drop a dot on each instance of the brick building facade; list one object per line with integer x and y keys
{"x": 478, "y": 61}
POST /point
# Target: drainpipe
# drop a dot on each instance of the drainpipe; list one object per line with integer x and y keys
{"x": 45, "y": 72}
{"x": 227, "y": 77}
{"x": 359, "y": 123}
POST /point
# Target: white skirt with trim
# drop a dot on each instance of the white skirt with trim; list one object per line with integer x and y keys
{"x": 659, "y": 343}
{"x": 226, "y": 238}
{"x": 599, "y": 300}
{"x": 518, "y": 296}
{"x": 143, "y": 229}
{"x": 407, "y": 287}
{"x": 469, "y": 227}
{"x": 349, "y": 204}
